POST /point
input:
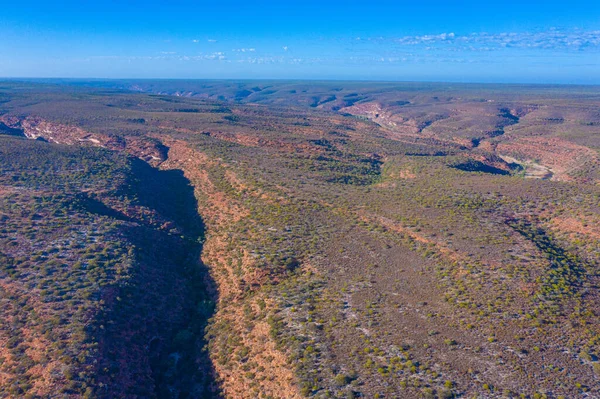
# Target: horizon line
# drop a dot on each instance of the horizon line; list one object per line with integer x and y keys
{"x": 324, "y": 80}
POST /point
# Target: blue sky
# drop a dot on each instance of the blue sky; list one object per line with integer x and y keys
{"x": 473, "y": 41}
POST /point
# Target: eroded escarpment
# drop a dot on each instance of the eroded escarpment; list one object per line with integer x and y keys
{"x": 551, "y": 158}
{"x": 157, "y": 321}
{"x": 113, "y": 298}
{"x": 246, "y": 358}
{"x": 33, "y": 127}
{"x": 159, "y": 359}
{"x": 530, "y": 135}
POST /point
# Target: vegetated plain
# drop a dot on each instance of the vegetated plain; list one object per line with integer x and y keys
{"x": 188, "y": 239}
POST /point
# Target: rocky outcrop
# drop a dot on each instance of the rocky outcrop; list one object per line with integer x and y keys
{"x": 565, "y": 159}
{"x": 147, "y": 149}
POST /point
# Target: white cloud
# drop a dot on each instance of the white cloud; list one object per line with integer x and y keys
{"x": 212, "y": 40}
{"x": 551, "y": 39}
{"x": 437, "y": 48}
{"x": 165, "y": 56}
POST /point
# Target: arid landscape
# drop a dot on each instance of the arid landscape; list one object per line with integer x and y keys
{"x": 286, "y": 239}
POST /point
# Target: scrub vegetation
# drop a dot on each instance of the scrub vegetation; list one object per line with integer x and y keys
{"x": 288, "y": 240}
